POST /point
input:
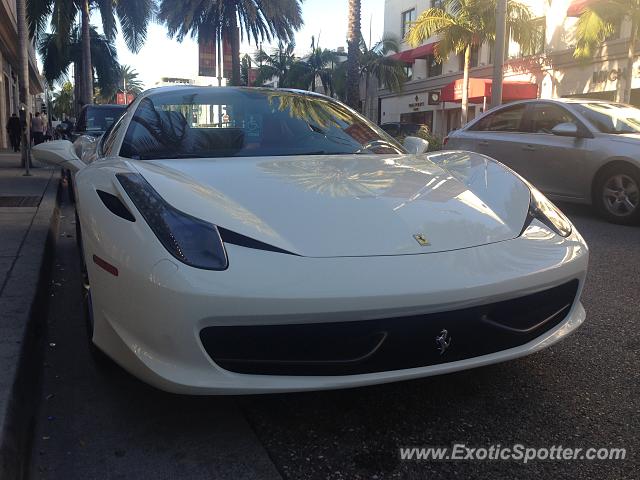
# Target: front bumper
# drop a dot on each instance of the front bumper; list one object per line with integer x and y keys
{"x": 152, "y": 324}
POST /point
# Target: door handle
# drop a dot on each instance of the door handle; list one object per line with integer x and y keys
{"x": 484, "y": 143}
{"x": 529, "y": 148}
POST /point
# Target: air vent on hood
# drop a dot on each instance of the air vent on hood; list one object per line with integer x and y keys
{"x": 242, "y": 241}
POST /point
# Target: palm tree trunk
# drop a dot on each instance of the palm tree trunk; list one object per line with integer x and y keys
{"x": 234, "y": 37}
{"x": 87, "y": 69}
{"x": 353, "y": 48}
{"x": 465, "y": 86}
{"x": 365, "y": 105}
{"x": 624, "y": 94}
{"x": 23, "y": 55}
{"x": 77, "y": 89}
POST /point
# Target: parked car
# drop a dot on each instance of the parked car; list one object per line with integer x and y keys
{"x": 298, "y": 247}
{"x": 95, "y": 119}
{"x": 573, "y": 150}
{"x": 403, "y": 129}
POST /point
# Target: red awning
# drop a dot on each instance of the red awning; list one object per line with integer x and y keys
{"x": 480, "y": 88}
{"x": 408, "y": 56}
{"x": 576, "y": 7}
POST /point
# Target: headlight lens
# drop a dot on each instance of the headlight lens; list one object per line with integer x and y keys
{"x": 545, "y": 211}
{"x": 192, "y": 241}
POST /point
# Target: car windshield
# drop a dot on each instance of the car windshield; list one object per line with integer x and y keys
{"x": 235, "y": 122}
{"x": 100, "y": 119}
{"x": 611, "y": 117}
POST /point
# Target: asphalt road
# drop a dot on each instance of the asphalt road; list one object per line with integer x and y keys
{"x": 97, "y": 422}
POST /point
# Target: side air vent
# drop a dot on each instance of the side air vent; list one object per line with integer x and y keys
{"x": 115, "y": 205}
{"x": 243, "y": 241}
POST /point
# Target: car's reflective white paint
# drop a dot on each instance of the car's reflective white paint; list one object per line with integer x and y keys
{"x": 351, "y": 220}
{"x": 349, "y": 205}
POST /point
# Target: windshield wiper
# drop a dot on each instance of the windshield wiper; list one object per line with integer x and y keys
{"x": 168, "y": 156}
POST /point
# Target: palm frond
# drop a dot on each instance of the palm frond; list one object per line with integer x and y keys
{"x": 591, "y": 30}
{"x": 430, "y": 22}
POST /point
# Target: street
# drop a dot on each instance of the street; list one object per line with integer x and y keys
{"x": 96, "y": 421}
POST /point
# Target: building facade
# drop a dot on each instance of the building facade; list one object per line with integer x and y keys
{"x": 548, "y": 71}
{"x": 9, "y": 68}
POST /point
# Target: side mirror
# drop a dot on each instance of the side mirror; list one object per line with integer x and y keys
{"x": 416, "y": 145}
{"x": 565, "y": 130}
{"x": 60, "y": 153}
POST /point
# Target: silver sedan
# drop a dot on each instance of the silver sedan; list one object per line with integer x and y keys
{"x": 574, "y": 150}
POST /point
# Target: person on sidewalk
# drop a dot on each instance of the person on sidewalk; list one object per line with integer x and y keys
{"x": 37, "y": 129}
{"x": 13, "y": 129}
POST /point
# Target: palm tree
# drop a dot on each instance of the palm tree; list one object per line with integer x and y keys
{"x": 58, "y": 55}
{"x": 132, "y": 15}
{"x": 375, "y": 63}
{"x": 63, "y": 101}
{"x": 258, "y": 20}
{"x": 278, "y": 64}
{"x": 245, "y": 68}
{"x": 353, "y": 54}
{"x": 462, "y": 25}
{"x": 128, "y": 79}
{"x": 597, "y": 22}
{"x": 318, "y": 65}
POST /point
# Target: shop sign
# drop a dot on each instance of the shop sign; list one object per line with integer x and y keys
{"x": 415, "y": 106}
{"x": 603, "y": 76}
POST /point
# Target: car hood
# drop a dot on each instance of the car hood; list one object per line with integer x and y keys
{"x": 350, "y": 205}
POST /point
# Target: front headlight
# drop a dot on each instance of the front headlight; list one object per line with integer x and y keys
{"x": 192, "y": 241}
{"x": 542, "y": 209}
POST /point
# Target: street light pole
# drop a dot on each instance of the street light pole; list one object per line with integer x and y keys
{"x": 498, "y": 60}
{"x": 23, "y": 55}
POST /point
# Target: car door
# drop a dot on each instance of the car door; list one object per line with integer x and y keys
{"x": 497, "y": 135}
{"x": 554, "y": 164}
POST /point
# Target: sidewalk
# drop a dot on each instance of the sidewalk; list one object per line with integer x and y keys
{"x": 28, "y": 216}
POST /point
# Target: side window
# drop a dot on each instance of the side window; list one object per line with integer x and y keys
{"x": 505, "y": 120}
{"x": 109, "y": 138}
{"x": 545, "y": 116}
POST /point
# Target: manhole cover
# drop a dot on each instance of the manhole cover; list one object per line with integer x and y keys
{"x": 17, "y": 201}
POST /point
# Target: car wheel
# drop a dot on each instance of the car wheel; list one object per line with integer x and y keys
{"x": 87, "y": 305}
{"x": 617, "y": 195}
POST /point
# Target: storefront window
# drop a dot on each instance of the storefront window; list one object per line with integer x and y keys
{"x": 434, "y": 68}
{"x": 473, "y": 61}
{"x": 408, "y": 70}
{"x": 407, "y": 17}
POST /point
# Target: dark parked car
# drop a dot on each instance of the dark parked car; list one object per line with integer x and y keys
{"x": 403, "y": 129}
{"x": 94, "y": 120}
{"x": 575, "y": 150}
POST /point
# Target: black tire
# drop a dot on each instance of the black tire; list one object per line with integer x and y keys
{"x": 99, "y": 357}
{"x": 616, "y": 194}
{"x": 72, "y": 192}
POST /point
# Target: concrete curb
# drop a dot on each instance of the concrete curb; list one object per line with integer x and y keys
{"x": 23, "y": 306}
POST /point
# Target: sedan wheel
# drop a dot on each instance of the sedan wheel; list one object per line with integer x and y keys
{"x": 620, "y": 196}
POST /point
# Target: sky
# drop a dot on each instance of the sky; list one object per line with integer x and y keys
{"x": 164, "y": 57}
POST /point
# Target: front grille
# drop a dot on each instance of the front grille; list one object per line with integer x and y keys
{"x": 366, "y": 346}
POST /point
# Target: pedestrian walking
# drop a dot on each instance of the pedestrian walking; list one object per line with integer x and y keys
{"x": 37, "y": 129}
{"x": 13, "y": 129}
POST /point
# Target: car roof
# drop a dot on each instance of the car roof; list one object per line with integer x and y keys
{"x": 104, "y": 105}
{"x": 571, "y": 100}
{"x": 198, "y": 88}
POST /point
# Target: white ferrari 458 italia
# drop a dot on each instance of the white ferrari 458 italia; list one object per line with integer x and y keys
{"x": 243, "y": 240}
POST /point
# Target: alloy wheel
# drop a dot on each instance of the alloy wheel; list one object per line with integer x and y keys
{"x": 621, "y": 195}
